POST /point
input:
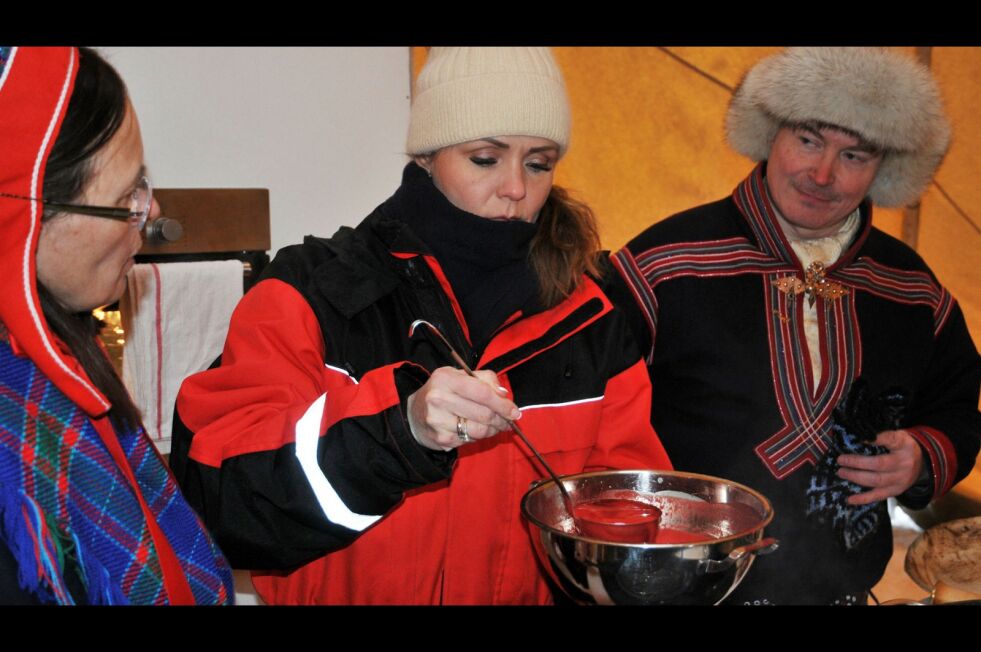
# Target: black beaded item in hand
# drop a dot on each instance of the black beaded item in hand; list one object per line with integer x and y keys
{"x": 856, "y": 422}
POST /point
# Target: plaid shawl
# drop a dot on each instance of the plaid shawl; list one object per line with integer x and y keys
{"x": 65, "y": 504}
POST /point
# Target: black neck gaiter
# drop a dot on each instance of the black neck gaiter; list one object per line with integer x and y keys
{"x": 485, "y": 261}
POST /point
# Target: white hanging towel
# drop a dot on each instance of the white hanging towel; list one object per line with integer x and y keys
{"x": 175, "y": 317}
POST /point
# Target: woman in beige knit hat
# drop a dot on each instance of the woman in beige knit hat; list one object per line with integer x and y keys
{"x": 361, "y": 462}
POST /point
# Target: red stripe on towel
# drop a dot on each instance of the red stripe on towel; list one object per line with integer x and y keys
{"x": 158, "y": 318}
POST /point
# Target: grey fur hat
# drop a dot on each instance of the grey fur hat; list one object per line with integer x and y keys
{"x": 888, "y": 98}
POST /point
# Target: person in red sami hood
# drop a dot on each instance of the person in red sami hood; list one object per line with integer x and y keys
{"x": 353, "y": 464}
{"x": 89, "y": 514}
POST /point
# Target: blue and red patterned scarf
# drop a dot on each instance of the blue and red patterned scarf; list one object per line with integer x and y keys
{"x": 67, "y": 507}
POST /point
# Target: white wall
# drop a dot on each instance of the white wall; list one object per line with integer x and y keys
{"x": 322, "y": 128}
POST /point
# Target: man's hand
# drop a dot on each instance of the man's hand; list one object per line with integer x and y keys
{"x": 887, "y": 475}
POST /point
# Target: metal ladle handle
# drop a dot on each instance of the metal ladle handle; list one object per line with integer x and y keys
{"x": 566, "y": 498}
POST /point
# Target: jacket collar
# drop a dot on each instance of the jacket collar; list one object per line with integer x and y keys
{"x": 754, "y": 203}
{"x": 368, "y": 262}
{"x": 360, "y": 274}
{"x": 525, "y": 338}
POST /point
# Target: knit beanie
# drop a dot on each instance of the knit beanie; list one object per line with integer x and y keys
{"x": 887, "y": 98}
{"x": 469, "y": 93}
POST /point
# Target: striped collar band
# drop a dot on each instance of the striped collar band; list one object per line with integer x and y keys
{"x": 753, "y": 201}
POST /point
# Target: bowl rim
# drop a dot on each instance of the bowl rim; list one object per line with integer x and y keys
{"x": 545, "y": 482}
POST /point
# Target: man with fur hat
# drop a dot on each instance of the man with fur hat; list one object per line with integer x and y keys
{"x": 794, "y": 347}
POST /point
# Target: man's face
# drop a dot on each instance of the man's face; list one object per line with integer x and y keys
{"x": 817, "y": 177}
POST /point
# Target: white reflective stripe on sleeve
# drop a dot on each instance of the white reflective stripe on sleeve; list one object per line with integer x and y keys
{"x": 307, "y": 438}
{"x": 551, "y": 405}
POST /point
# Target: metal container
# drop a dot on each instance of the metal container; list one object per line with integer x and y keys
{"x": 731, "y": 517}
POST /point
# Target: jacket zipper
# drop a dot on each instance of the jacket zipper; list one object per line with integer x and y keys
{"x": 447, "y": 316}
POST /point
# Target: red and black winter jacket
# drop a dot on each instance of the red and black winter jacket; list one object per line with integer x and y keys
{"x": 298, "y": 455}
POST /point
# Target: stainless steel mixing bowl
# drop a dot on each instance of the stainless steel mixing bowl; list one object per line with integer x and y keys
{"x": 730, "y": 516}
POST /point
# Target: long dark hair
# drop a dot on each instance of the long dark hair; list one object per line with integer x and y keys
{"x": 565, "y": 247}
{"x": 94, "y": 114}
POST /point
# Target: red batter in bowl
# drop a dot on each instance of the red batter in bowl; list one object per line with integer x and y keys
{"x": 618, "y": 520}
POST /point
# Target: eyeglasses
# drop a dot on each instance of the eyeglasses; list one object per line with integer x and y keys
{"x": 140, "y": 204}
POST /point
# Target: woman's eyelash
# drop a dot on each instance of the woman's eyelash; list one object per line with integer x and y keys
{"x": 489, "y": 161}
